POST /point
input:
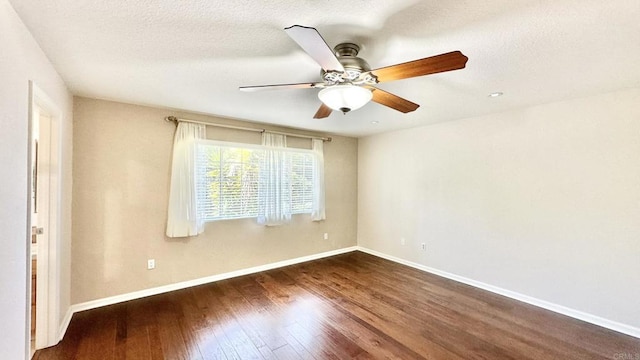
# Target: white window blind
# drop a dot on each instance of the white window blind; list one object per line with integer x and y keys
{"x": 301, "y": 183}
{"x": 228, "y": 178}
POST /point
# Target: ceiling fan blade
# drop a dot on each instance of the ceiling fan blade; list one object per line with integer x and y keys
{"x": 282, "y": 86}
{"x": 393, "y": 101}
{"x": 322, "y": 112}
{"x": 435, "y": 64}
{"x": 312, "y": 42}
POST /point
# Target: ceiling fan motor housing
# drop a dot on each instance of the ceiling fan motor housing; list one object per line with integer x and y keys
{"x": 346, "y": 49}
{"x": 353, "y": 65}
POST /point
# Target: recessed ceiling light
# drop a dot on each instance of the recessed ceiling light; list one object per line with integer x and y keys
{"x": 495, "y": 94}
{"x": 374, "y": 122}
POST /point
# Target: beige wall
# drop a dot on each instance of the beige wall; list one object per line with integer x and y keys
{"x": 122, "y": 159}
{"x": 543, "y": 201}
{"x": 22, "y": 60}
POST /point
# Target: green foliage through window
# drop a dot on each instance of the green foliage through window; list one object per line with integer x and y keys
{"x": 228, "y": 180}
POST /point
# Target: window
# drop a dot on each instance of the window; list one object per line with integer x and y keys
{"x": 302, "y": 188}
{"x": 228, "y": 180}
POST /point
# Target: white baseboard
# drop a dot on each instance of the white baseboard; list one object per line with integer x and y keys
{"x": 64, "y": 325}
{"x": 596, "y": 320}
{"x": 190, "y": 283}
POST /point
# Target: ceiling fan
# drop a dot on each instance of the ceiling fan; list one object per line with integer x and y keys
{"x": 348, "y": 82}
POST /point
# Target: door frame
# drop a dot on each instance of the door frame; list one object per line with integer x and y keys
{"x": 48, "y": 266}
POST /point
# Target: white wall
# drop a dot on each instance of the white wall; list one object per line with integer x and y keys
{"x": 21, "y": 60}
{"x": 543, "y": 201}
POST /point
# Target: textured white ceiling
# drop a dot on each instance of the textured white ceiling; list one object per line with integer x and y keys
{"x": 193, "y": 55}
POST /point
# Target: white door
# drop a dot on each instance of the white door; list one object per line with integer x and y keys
{"x": 46, "y": 119}
{"x": 42, "y": 205}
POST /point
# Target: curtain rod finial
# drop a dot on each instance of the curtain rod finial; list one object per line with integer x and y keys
{"x": 172, "y": 119}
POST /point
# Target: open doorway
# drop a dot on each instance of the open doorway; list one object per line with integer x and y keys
{"x": 44, "y": 217}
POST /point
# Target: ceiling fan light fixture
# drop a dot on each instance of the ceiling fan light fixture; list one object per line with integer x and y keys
{"x": 345, "y": 97}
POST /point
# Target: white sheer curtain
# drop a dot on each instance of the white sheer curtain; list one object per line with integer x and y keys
{"x": 182, "y": 214}
{"x": 318, "y": 210}
{"x": 274, "y": 191}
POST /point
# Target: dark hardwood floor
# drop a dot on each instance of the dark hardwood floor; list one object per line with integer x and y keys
{"x": 351, "y": 306}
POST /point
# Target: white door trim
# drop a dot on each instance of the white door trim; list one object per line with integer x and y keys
{"x": 48, "y": 268}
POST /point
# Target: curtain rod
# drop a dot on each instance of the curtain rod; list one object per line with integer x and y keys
{"x": 176, "y": 120}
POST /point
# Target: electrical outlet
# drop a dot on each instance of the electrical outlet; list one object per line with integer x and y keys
{"x": 326, "y": 236}
{"x": 424, "y": 247}
{"x": 402, "y": 241}
{"x": 151, "y": 264}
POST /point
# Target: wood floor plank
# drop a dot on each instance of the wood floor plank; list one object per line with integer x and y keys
{"x": 99, "y": 339}
{"x": 442, "y": 324}
{"x": 276, "y": 321}
{"x": 258, "y": 320}
{"x": 171, "y": 340}
{"x": 210, "y": 345}
{"x": 154, "y": 340}
{"x": 324, "y": 317}
{"x": 569, "y": 337}
{"x": 350, "y": 306}
{"x": 242, "y": 343}
{"x": 407, "y": 332}
{"x": 286, "y": 352}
